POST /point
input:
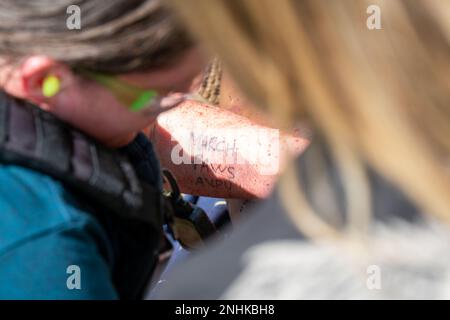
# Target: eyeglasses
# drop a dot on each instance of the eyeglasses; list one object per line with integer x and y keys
{"x": 134, "y": 98}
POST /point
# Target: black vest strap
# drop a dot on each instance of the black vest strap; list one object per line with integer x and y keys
{"x": 33, "y": 138}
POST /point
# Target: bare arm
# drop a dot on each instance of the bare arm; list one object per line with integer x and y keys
{"x": 218, "y": 153}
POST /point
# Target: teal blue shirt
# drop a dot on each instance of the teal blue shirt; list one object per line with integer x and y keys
{"x": 42, "y": 233}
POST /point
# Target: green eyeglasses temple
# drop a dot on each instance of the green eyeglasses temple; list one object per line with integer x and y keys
{"x": 144, "y": 100}
{"x": 133, "y": 97}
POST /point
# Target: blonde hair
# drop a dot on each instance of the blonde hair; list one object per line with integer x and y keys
{"x": 377, "y": 96}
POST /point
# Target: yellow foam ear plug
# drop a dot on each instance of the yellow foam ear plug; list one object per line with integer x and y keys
{"x": 50, "y": 86}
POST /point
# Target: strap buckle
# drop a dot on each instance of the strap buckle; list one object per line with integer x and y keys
{"x": 188, "y": 223}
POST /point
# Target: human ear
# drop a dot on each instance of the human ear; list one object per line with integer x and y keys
{"x": 43, "y": 79}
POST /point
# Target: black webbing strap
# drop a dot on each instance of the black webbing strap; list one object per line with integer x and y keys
{"x": 33, "y": 138}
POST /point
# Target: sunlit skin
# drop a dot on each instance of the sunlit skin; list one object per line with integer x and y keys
{"x": 234, "y": 111}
